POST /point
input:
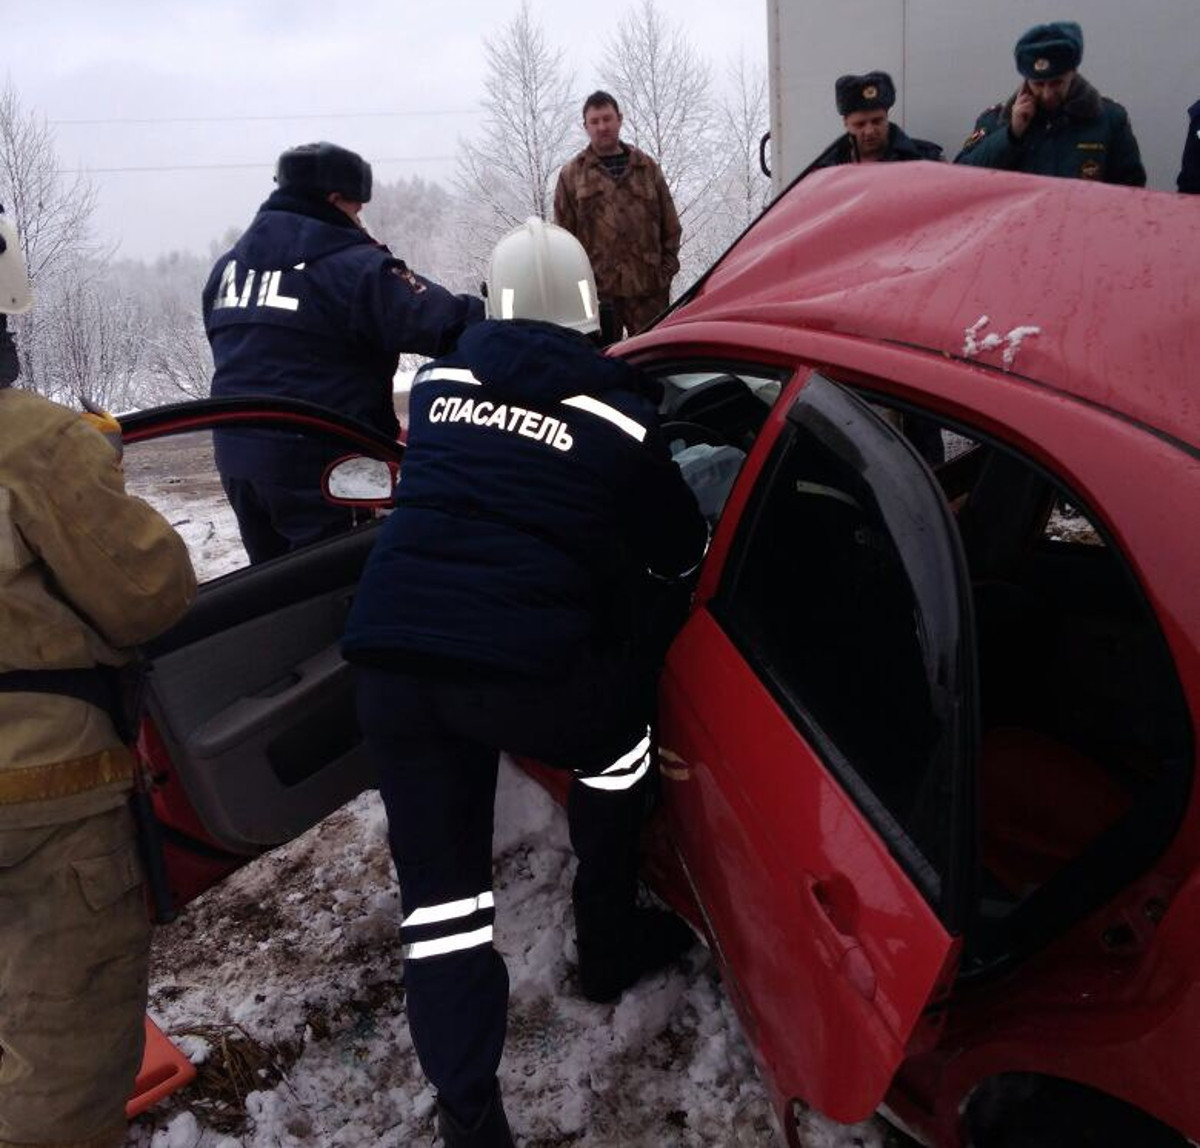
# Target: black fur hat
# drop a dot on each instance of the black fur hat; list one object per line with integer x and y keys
{"x": 324, "y": 167}
{"x": 864, "y": 93}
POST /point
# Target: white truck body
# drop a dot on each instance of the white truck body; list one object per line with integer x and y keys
{"x": 950, "y": 59}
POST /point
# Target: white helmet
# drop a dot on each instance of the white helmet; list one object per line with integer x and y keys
{"x": 15, "y": 296}
{"x": 541, "y": 271}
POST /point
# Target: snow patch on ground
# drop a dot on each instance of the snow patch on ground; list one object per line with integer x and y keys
{"x": 300, "y": 952}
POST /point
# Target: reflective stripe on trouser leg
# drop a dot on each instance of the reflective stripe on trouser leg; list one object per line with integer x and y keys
{"x": 605, "y": 813}
{"x": 448, "y": 927}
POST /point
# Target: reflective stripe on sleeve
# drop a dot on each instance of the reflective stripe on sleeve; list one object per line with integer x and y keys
{"x": 604, "y": 411}
{"x": 446, "y": 375}
{"x": 452, "y": 944}
{"x": 448, "y": 910}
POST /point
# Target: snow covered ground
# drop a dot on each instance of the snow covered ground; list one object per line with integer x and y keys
{"x": 285, "y": 986}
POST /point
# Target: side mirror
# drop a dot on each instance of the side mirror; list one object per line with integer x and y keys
{"x": 359, "y": 481}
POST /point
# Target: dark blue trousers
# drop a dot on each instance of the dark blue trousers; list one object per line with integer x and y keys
{"x": 277, "y": 518}
{"x": 435, "y": 739}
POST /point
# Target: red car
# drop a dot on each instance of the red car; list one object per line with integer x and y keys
{"x": 928, "y": 736}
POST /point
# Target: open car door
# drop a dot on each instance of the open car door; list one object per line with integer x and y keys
{"x": 249, "y": 728}
{"x": 818, "y": 737}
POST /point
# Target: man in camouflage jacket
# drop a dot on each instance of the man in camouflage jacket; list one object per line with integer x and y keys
{"x": 1056, "y": 123}
{"x": 613, "y": 198}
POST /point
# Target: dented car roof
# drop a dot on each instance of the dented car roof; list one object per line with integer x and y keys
{"x": 1084, "y": 288}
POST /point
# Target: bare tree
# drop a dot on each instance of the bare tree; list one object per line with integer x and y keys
{"x": 743, "y": 191}
{"x": 664, "y": 87}
{"x": 412, "y": 216}
{"x": 99, "y": 338}
{"x": 179, "y": 360}
{"x": 176, "y": 362}
{"x": 506, "y": 174}
{"x": 743, "y": 122}
{"x": 52, "y": 219}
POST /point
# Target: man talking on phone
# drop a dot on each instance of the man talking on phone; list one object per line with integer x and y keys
{"x": 1056, "y": 123}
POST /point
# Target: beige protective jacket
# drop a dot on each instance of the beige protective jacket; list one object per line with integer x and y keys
{"x": 86, "y": 573}
{"x": 628, "y": 226}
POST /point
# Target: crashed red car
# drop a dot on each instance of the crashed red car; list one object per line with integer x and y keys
{"x": 927, "y": 738}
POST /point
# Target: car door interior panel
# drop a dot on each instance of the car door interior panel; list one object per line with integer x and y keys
{"x": 254, "y": 703}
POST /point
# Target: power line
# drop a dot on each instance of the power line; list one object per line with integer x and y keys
{"x": 234, "y": 166}
{"x": 251, "y": 119}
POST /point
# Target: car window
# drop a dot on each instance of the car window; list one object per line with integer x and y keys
{"x": 1084, "y": 737}
{"x": 711, "y": 416}
{"x": 197, "y": 477}
{"x": 842, "y": 594}
{"x": 178, "y": 477}
{"x": 730, "y": 402}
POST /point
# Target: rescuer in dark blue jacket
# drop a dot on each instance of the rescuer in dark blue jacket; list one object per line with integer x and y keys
{"x": 501, "y": 609}
{"x": 308, "y": 306}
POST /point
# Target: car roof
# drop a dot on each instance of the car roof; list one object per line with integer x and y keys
{"x": 1088, "y": 289}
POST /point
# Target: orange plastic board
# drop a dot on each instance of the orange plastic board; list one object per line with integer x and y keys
{"x": 164, "y": 1069}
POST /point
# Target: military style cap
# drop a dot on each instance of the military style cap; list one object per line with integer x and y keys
{"x": 864, "y": 93}
{"x": 1049, "y": 50}
{"x": 324, "y": 167}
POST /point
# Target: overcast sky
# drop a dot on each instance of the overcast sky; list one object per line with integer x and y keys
{"x": 412, "y": 71}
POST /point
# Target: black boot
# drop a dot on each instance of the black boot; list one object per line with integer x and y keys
{"x": 489, "y": 1131}
{"x": 612, "y": 959}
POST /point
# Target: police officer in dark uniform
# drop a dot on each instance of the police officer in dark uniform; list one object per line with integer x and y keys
{"x": 1189, "y": 169}
{"x": 863, "y": 103}
{"x": 1056, "y": 123}
{"x": 308, "y": 306}
{"x": 499, "y": 610}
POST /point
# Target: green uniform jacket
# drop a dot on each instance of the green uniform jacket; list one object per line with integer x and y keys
{"x": 1089, "y": 137}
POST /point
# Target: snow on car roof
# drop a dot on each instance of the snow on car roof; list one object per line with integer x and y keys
{"x": 1085, "y": 288}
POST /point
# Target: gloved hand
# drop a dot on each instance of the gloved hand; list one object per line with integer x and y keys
{"x": 105, "y": 423}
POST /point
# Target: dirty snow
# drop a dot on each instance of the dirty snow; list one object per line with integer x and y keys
{"x": 297, "y": 958}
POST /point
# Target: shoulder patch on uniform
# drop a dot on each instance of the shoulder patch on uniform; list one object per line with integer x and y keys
{"x": 974, "y": 138}
{"x": 402, "y": 271}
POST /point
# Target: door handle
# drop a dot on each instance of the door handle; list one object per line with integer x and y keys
{"x": 827, "y": 897}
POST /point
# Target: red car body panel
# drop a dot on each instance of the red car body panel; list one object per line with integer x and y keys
{"x": 876, "y": 282}
{"x": 814, "y": 923}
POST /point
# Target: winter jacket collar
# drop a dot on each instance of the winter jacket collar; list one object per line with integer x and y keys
{"x": 542, "y": 362}
{"x": 291, "y": 229}
{"x": 901, "y": 146}
{"x": 1083, "y": 103}
{"x": 637, "y": 157}
{"x": 310, "y": 207}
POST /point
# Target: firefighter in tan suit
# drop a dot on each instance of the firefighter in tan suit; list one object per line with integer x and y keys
{"x": 86, "y": 573}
